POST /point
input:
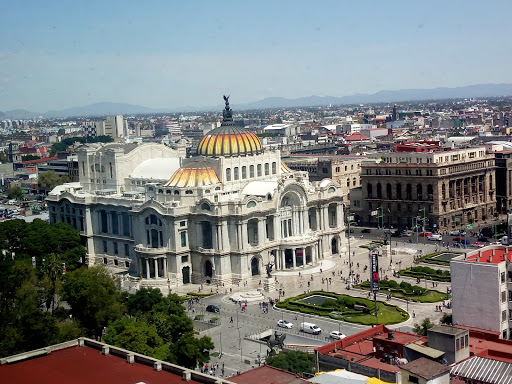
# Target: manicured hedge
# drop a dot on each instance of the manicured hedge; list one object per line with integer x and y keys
{"x": 388, "y": 314}
{"x": 427, "y": 272}
{"x": 407, "y": 291}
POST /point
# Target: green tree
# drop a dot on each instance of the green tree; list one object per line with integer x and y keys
{"x": 52, "y": 270}
{"x": 29, "y": 157}
{"x": 143, "y": 300}
{"x": 134, "y": 335}
{"x": 293, "y": 361}
{"x": 14, "y": 191}
{"x": 49, "y": 180}
{"x": 190, "y": 352}
{"x": 94, "y": 298}
{"x": 57, "y": 147}
{"x": 446, "y": 318}
{"x": 422, "y": 329}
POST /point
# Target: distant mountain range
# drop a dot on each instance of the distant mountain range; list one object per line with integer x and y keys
{"x": 107, "y": 108}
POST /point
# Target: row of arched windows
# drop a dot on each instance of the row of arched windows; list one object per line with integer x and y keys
{"x": 399, "y": 195}
{"x": 236, "y": 171}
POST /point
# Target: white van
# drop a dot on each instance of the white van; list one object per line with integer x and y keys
{"x": 310, "y": 328}
{"x": 504, "y": 240}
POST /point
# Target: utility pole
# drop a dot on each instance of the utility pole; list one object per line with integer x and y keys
{"x": 380, "y": 218}
{"x": 349, "y": 259}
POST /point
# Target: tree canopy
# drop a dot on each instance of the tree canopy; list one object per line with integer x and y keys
{"x": 14, "y": 191}
{"x": 422, "y": 329}
{"x": 293, "y": 361}
{"x": 50, "y": 179}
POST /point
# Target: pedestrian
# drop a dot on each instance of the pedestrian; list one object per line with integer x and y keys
{"x": 231, "y": 320}
{"x": 413, "y": 314}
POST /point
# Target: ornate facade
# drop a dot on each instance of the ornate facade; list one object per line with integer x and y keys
{"x": 217, "y": 217}
{"x": 446, "y": 187}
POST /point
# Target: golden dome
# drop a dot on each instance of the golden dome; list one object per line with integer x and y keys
{"x": 194, "y": 174}
{"x": 228, "y": 139}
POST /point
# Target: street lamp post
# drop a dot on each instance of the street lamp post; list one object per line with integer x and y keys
{"x": 380, "y": 218}
{"x": 349, "y": 260}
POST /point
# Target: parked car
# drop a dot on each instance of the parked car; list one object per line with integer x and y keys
{"x": 435, "y": 237}
{"x": 478, "y": 245}
{"x": 212, "y": 308}
{"x": 458, "y": 232}
{"x": 366, "y": 230}
{"x": 424, "y": 234}
{"x": 337, "y": 335}
{"x": 284, "y": 324}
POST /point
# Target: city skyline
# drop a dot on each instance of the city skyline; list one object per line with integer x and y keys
{"x": 60, "y": 55}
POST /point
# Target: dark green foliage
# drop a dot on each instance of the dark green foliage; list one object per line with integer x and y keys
{"x": 446, "y": 318}
{"x": 143, "y": 300}
{"x": 421, "y": 329}
{"x": 293, "y": 361}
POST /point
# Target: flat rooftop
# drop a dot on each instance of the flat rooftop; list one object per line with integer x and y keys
{"x": 493, "y": 254}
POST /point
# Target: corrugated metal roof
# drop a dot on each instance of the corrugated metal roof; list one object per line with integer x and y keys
{"x": 484, "y": 370}
{"x": 424, "y": 350}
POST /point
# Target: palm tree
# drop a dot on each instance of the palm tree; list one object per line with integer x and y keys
{"x": 52, "y": 270}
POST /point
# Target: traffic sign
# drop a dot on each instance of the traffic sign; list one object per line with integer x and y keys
{"x": 470, "y": 226}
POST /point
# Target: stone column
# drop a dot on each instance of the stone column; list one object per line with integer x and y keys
{"x": 294, "y": 257}
{"x": 215, "y": 236}
{"x": 225, "y": 236}
{"x": 261, "y": 231}
{"x": 166, "y": 268}
{"x": 317, "y": 219}
{"x": 155, "y": 263}
{"x": 139, "y": 265}
{"x": 245, "y": 242}
{"x": 239, "y": 235}
{"x": 148, "y": 273}
{"x": 326, "y": 217}
{"x": 305, "y": 221}
{"x": 276, "y": 225}
{"x": 283, "y": 263}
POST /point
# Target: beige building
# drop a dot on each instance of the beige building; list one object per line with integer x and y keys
{"x": 344, "y": 170}
{"x": 434, "y": 187}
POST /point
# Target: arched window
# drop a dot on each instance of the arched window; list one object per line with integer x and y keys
{"x": 267, "y": 170}
{"x": 244, "y": 172}
{"x": 379, "y": 191}
{"x": 430, "y": 192}
{"x": 348, "y": 182}
{"x": 388, "y": 191}
{"x": 228, "y": 174}
{"x": 419, "y": 191}
{"x": 235, "y": 173}
{"x": 354, "y": 182}
{"x": 399, "y": 191}
{"x": 443, "y": 191}
{"x": 274, "y": 168}
{"x": 251, "y": 204}
{"x": 258, "y": 168}
{"x": 205, "y": 206}
{"x": 369, "y": 189}
{"x": 408, "y": 192}
{"x": 251, "y": 171}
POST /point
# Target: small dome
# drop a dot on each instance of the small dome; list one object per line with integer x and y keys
{"x": 193, "y": 174}
{"x": 228, "y": 139}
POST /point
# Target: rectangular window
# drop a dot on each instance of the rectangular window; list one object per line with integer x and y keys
{"x": 116, "y": 248}
{"x": 466, "y": 338}
{"x": 274, "y": 168}
{"x": 457, "y": 344}
{"x": 251, "y": 171}
{"x": 115, "y": 223}
{"x": 413, "y": 379}
{"x": 244, "y": 172}
{"x": 503, "y": 296}
{"x": 183, "y": 236}
{"x": 258, "y": 168}
{"x": 182, "y": 223}
{"x": 267, "y": 169}
{"x": 126, "y": 250}
{"x": 502, "y": 277}
{"x": 103, "y": 221}
{"x": 105, "y": 246}
{"x": 184, "y": 259}
{"x": 126, "y": 224}
{"x": 504, "y": 316}
{"x": 235, "y": 173}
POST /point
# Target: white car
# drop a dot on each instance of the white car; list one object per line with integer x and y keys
{"x": 337, "y": 335}
{"x": 436, "y": 237}
{"x": 284, "y": 324}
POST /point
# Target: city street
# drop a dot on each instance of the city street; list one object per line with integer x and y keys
{"x": 239, "y": 353}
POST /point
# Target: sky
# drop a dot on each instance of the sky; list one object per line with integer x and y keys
{"x": 172, "y": 54}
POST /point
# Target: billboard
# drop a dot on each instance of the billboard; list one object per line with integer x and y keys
{"x": 374, "y": 272}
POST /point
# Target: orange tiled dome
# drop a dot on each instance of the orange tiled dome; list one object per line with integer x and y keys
{"x": 228, "y": 139}
{"x": 194, "y": 174}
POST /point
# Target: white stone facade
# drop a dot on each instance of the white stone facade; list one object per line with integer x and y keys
{"x": 196, "y": 231}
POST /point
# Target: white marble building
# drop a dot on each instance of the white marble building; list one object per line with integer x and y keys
{"x": 217, "y": 217}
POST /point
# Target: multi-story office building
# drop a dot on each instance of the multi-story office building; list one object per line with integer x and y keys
{"x": 482, "y": 289}
{"x": 420, "y": 182}
{"x": 216, "y": 217}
